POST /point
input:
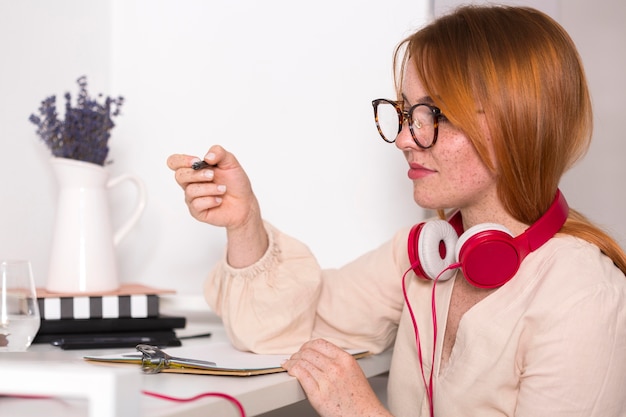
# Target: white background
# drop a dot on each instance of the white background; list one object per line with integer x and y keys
{"x": 285, "y": 85}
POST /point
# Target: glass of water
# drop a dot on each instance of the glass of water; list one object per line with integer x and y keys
{"x": 19, "y": 313}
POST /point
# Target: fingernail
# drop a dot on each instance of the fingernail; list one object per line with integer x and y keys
{"x": 209, "y": 156}
{"x": 208, "y": 173}
{"x": 218, "y": 200}
{"x": 221, "y": 188}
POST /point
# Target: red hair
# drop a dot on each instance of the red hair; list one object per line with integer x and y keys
{"x": 522, "y": 70}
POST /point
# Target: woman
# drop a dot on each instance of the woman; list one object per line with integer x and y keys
{"x": 492, "y": 109}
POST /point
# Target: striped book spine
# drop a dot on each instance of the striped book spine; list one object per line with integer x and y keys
{"x": 99, "y": 307}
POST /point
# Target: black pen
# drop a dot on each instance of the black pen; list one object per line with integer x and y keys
{"x": 195, "y": 336}
{"x": 200, "y": 165}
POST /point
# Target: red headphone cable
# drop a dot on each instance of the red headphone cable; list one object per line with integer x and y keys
{"x": 427, "y": 385}
{"x": 230, "y": 398}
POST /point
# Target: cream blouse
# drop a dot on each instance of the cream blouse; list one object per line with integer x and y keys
{"x": 550, "y": 342}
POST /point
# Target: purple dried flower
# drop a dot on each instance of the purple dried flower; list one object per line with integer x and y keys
{"x": 85, "y": 132}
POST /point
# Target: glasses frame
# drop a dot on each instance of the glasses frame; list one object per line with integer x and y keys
{"x": 406, "y": 116}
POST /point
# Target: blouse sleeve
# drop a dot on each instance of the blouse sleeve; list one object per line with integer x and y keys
{"x": 285, "y": 298}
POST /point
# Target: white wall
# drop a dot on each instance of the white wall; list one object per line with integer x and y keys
{"x": 286, "y": 85}
{"x": 44, "y": 47}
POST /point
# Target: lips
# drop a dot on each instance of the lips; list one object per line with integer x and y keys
{"x": 417, "y": 171}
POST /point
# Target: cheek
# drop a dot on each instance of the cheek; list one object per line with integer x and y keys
{"x": 463, "y": 162}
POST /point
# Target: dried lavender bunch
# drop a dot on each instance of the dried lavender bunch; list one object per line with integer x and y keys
{"x": 85, "y": 132}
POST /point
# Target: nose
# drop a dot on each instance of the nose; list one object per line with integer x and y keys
{"x": 404, "y": 140}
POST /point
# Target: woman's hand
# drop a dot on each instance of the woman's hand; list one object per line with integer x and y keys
{"x": 221, "y": 195}
{"x": 333, "y": 381}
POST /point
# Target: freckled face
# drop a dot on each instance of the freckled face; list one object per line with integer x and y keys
{"x": 450, "y": 174}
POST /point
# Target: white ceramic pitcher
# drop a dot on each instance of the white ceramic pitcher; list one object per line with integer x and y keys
{"x": 82, "y": 258}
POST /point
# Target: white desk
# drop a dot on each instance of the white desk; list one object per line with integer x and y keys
{"x": 258, "y": 394}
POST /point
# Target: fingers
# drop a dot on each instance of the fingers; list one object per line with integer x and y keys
{"x": 324, "y": 348}
{"x": 319, "y": 359}
{"x": 310, "y": 357}
{"x": 219, "y": 194}
{"x": 182, "y": 165}
{"x": 202, "y": 196}
{"x": 308, "y": 365}
{"x": 178, "y": 161}
{"x": 201, "y": 193}
{"x": 214, "y": 156}
{"x": 318, "y": 352}
{"x": 333, "y": 381}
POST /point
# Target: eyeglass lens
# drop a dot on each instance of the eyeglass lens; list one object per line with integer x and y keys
{"x": 389, "y": 122}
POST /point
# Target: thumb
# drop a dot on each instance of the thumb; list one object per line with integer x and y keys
{"x": 219, "y": 156}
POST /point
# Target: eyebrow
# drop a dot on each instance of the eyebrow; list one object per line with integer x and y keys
{"x": 421, "y": 100}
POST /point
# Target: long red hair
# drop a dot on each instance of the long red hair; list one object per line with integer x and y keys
{"x": 522, "y": 70}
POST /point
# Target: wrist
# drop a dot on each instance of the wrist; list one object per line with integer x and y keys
{"x": 247, "y": 243}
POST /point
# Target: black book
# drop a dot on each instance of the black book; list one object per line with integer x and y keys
{"x": 161, "y": 322}
{"x": 130, "y": 300}
{"x": 111, "y": 333}
{"x": 160, "y": 338}
{"x": 72, "y": 326}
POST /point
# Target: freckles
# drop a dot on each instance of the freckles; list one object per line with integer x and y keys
{"x": 461, "y": 160}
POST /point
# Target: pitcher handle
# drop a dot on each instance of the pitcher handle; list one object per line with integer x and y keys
{"x": 139, "y": 207}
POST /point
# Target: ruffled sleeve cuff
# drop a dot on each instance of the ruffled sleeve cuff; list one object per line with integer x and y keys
{"x": 269, "y": 260}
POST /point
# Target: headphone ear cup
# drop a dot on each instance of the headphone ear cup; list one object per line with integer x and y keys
{"x": 434, "y": 246}
{"x": 488, "y": 255}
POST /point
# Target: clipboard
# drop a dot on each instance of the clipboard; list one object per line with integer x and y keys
{"x": 209, "y": 359}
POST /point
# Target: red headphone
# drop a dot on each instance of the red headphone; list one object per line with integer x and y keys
{"x": 487, "y": 253}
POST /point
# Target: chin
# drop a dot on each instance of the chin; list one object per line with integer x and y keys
{"x": 425, "y": 203}
{"x": 430, "y": 199}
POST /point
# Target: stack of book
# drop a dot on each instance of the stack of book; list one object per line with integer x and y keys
{"x": 124, "y": 318}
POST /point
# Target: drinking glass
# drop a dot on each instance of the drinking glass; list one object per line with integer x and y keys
{"x": 19, "y": 313}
